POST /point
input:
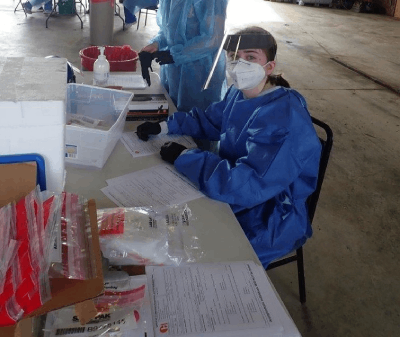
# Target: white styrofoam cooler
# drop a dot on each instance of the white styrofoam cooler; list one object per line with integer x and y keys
{"x": 32, "y": 112}
{"x": 91, "y": 147}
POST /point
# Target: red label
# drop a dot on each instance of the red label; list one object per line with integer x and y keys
{"x": 112, "y": 223}
{"x": 164, "y": 328}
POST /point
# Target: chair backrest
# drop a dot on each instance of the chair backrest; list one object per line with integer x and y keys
{"x": 326, "y": 143}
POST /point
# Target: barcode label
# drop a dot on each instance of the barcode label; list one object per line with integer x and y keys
{"x": 69, "y": 331}
{"x": 71, "y": 151}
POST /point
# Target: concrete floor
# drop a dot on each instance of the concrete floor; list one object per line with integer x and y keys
{"x": 352, "y": 272}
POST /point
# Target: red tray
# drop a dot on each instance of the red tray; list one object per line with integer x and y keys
{"x": 121, "y": 58}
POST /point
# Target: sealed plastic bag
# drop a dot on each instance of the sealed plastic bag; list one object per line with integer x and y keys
{"x": 77, "y": 260}
{"x": 130, "y": 314}
{"x": 142, "y": 236}
{"x": 132, "y": 236}
{"x": 24, "y": 282}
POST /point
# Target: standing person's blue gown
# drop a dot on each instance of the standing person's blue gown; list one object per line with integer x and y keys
{"x": 266, "y": 168}
{"x": 192, "y": 30}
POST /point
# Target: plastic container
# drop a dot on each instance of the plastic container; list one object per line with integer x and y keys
{"x": 121, "y": 58}
{"x": 101, "y": 69}
{"x": 86, "y": 146}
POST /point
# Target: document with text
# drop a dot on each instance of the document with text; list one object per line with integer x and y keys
{"x": 218, "y": 300}
{"x": 139, "y": 148}
{"x": 160, "y": 186}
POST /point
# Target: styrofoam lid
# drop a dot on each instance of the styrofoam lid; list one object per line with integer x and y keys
{"x": 32, "y": 79}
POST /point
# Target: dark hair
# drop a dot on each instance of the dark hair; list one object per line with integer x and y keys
{"x": 270, "y": 52}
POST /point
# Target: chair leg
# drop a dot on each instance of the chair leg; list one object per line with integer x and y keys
{"x": 20, "y": 3}
{"x": 300, "y": 275}
{"x": 138, "y": 19}
{"x": 145, "y": 20}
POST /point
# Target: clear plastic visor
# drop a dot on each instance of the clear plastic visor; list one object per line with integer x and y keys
{"x": 234, "y": 42}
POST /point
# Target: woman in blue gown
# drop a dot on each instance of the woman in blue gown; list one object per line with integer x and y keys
{"x": 192, "y": 30}
{"x": 269, "y": 152}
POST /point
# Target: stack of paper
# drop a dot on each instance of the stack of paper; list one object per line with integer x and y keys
{"x": 158, "y": 187}
{"x": 216, "y": 300}
{"x": 126, "y": 81}
{"x": 139, "y": 148}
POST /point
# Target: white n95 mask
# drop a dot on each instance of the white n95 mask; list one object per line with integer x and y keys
{"x": 245, "y": 75}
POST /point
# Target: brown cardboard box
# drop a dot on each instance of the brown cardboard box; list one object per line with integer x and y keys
{"x": 17, "y": 180}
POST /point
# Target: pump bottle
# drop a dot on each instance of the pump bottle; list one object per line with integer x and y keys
{"x": 101, "y": 69}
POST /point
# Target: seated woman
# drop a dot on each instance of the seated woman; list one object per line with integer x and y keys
{"x": 269, "y": 152}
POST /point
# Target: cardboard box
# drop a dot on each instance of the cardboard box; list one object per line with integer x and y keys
{"x": 20, "y": 179}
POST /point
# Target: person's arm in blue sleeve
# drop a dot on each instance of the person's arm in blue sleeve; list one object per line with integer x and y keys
{"x": 211, "y": 15}
{"x": 269, "y": 166}
{"x": 160, "y": 37}
{"x": 197, "y": 123}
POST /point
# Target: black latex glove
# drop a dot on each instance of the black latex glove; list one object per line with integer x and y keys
{"x": 163, "y": 57}
{"x": 148, "y": 128}
{"x": 145, "y": 62}
{"x": 170, "y": 151}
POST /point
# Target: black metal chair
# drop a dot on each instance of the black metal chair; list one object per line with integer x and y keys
{"x": 312, "y": 205}
{"x": 147, "y": 9}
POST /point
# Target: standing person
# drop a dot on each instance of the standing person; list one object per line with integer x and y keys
{"x": 192, "y": 30}
{"x": 48, "y": 6}
{"x": 131, "y": 7}
{"x": 269, "y": 152}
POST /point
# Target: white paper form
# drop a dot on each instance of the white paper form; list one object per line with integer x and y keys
{"x": 139, "y": 148}
{"x": 231, "y": 299}
{"x": 160, "y": 186}
{"x": 127, "y": 81}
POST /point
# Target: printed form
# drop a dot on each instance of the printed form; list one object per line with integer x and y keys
{"x": 160, "y": 186}
{"x": 216, "y": 299}
{"x": 139, "y": 148}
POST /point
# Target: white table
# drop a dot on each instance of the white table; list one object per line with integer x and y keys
{"x": 221, "y": 236}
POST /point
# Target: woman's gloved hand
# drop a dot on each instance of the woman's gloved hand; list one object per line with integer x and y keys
{"x": 170, "y": 151}
{"x": 148, "y": 128}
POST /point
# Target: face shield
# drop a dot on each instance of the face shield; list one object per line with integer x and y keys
{"x": 232, "y": 43}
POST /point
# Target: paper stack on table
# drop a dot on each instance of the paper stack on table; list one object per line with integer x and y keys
{"x": 157, "y": 187}
{"x": 127, "y": 81}
{"x": 139, "y": 148}
{"x": 233, "y": 299}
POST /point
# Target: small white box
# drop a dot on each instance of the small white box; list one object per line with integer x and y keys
{"x": 32, "y": 112}
{"x": 89, "y": 108}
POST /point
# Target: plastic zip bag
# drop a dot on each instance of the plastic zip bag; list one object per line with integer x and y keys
{"x": 143, "y": 236}
{"x": 130, "y": 313}
{"x": 76, "y": 240}
{"x": 24, "y": 282}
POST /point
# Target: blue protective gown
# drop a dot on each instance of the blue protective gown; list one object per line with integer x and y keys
{"x": 266, "y": 168}
{"x": 192, "y": 30}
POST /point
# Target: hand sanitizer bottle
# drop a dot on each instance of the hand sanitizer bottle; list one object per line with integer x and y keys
{"x": 101, "y": 69}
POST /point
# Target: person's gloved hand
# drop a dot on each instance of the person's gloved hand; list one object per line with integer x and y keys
{"x": 145, "y": 59}
{"x": 164, "y": 57}
{"x": 170, "y": 151}
{"x": 148, "y": 128}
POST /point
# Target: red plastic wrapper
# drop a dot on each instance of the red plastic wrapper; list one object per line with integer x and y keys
{"x": 23, "y": 246}
{"x": 76, "y": 240}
